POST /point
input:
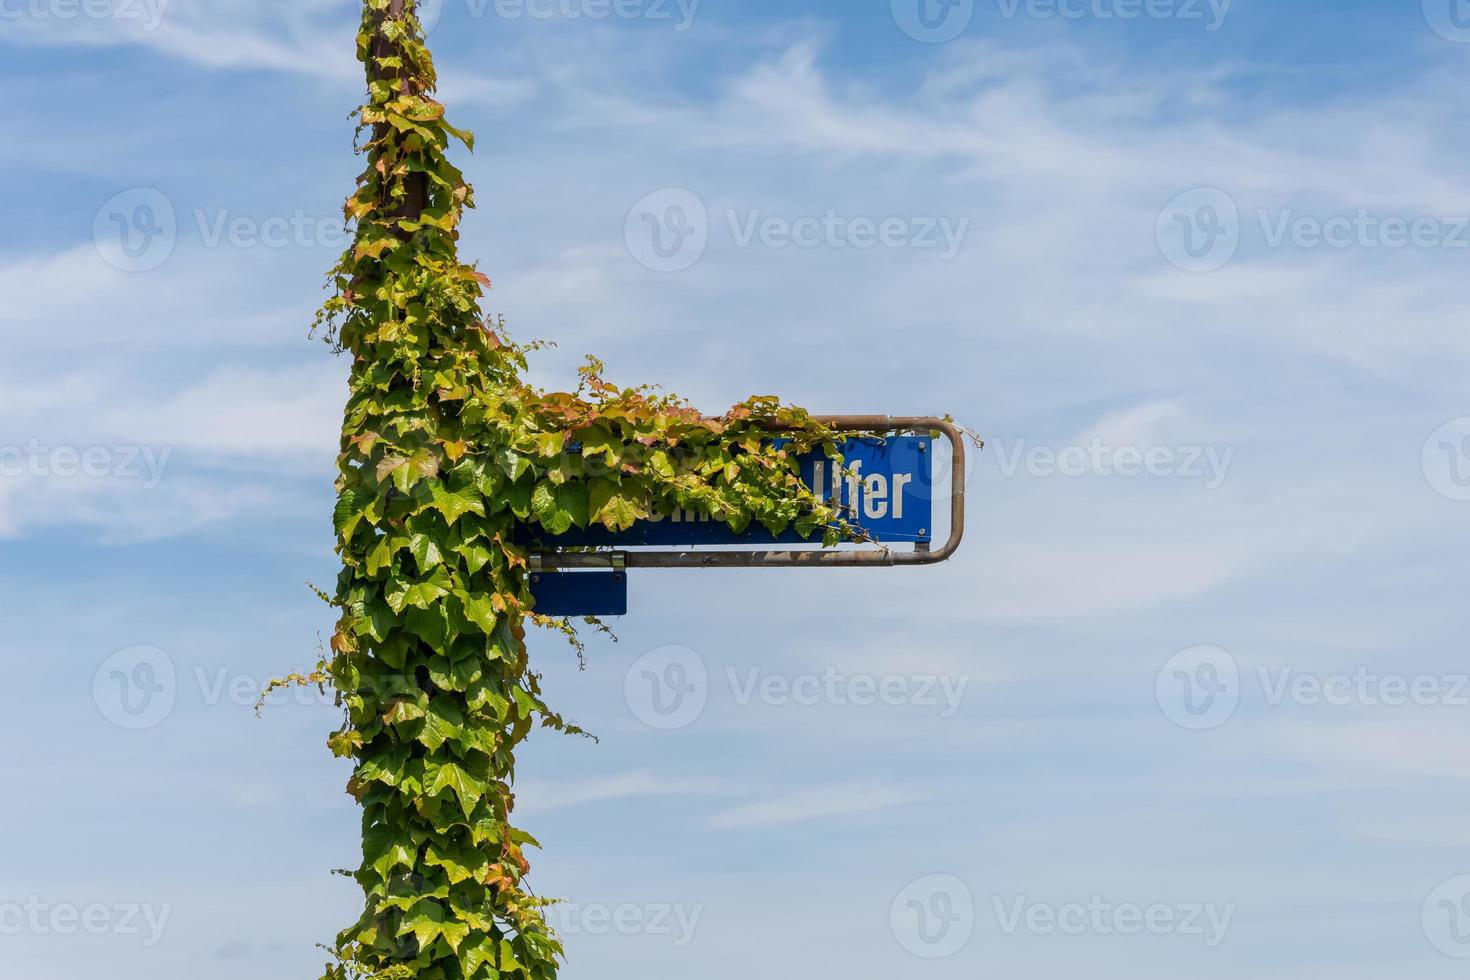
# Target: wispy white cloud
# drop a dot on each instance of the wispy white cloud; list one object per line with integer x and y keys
{"x": 1066, "y": 166}
{"x": 308, "y": 36}
{"x": 76, "y": 300}
{"x": 817, "y": 803}
{"x": 539, "y": 796}
{"x": 1380, "y": 748}
{"x": 255, "y": 414}
{"x": 93, "y": 450}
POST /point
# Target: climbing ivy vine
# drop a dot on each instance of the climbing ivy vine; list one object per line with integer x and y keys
{"x": 450, "y": 465}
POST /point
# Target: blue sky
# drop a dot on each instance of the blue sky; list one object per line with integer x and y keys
{"x": 1222, "y": 691}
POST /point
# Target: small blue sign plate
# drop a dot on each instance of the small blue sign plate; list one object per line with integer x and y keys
{"x": 580, "y": 593}
{"x": 889, "y": 492}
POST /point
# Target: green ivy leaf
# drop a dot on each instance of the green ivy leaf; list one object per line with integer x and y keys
{"x": 559, "y": 508}
{"x": 479, "y": 610}
{"x": 402, "y": 593}
{"x": 450, "y": 777}
{"x": 353, "y": 507}
{"x": 443, "y": 722}
{"x": 455, "y": 504}
{"x": 425, "y": 551}
{"x": 383, "y": 850}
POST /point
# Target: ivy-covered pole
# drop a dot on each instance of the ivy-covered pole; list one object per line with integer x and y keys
{"x": 429, "y": 660}
{"x": 449, "y": 463}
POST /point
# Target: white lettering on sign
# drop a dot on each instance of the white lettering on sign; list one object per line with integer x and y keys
{"x": 680, "y": 516}
{"x": 872, "y": 497}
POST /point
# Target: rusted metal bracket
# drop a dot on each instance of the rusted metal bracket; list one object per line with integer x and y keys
{"x": 876, "y": 557}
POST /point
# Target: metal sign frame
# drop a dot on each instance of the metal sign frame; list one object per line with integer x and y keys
{"x": 922, "y": 553}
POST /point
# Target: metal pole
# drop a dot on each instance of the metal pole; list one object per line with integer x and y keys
{"x": 416, "y": 184}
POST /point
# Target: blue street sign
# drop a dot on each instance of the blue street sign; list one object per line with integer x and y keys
{"x": 889, "y": 493}
{"x": 580, "y": 593}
